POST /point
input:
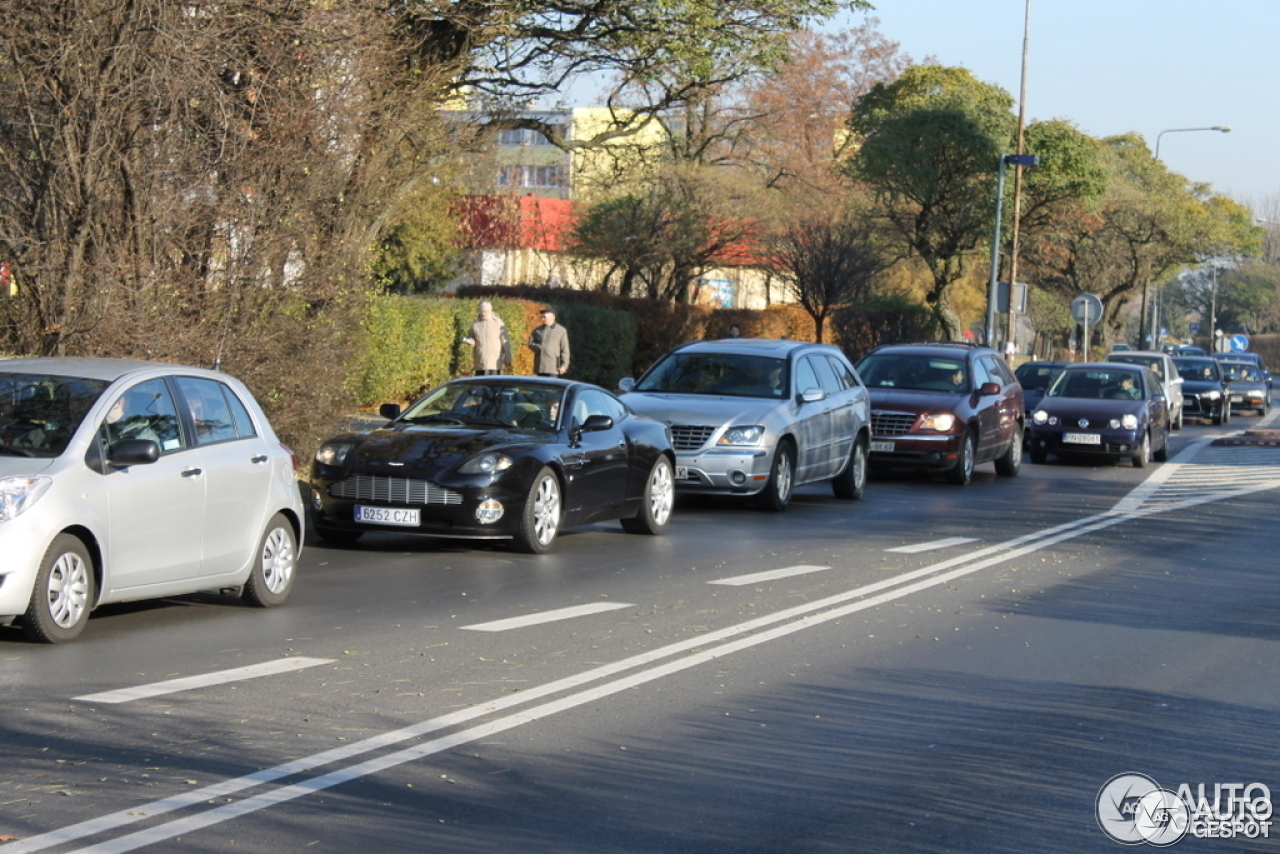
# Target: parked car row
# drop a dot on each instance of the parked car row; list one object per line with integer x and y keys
{"x": 123, "y": 480}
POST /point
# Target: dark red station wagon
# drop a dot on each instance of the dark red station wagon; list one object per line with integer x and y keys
{"x": 943, "y": 406}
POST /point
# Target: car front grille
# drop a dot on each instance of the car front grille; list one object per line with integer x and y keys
{"x": 690, "y": 437}
{"x": 892, "y": 423}
{"x": 393, "y": 490}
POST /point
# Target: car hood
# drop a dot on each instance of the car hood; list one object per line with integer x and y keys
{"x": 915, "y": 400}
{"x": 1200, "y": 386}
{"x": 22, "y": 466}
{"x": 702, "y": 409}
{"x": 404, "y": 450}
{"x": 1078, "y": 407}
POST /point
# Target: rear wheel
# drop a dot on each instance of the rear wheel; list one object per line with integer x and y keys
{"x": 63, "y": 592}
{"x": 962, "y": 472}
{"x": 1009, "y": 463}
{"x": 540, "y": 521}
{"x": 274, "y": 565}
{"x": 852, "y": 482}
{"x": 777, "y": 492}
{"x": 656, "y": 503}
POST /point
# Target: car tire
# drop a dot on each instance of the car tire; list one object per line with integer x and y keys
{"x": 63, "y": 593}
{"x": 1142, "y": 458}
{"x": 1009, "y": 463}
{"x": 777, "y": 492}
{"x": 275, "y": 565}
{"x": 541, "y": 517}
{"x": 962, "y": 472}
{"x": 851, "y": 483}
{"x": 656, "y": 502}
{"x": 337, "y": 536}
{"x": 1177, "y": 424}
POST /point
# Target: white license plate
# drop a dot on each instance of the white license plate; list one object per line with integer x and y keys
{"x": 388, "y": 516}
{"x": 882, "y": 447}
{"x": 682, "y": 472}
{"x": 1082, "y": 438}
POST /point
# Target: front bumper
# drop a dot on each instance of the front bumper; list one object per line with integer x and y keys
{"x": 739, "y": 471}
{"x": 1112, "y": 443}
{"x": 441, "y": 511}
{"x": 913, "y": 450}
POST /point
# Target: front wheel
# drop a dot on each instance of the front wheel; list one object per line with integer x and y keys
{"x": 1142, "y": 456}
{"x": 540, "y": 521}
{"x": 852, "y": 482}
{"x": 274, "y": 565}
{"x": 962, "y": 472}
{"x": 1009, "y": 463}
{"x": 1177, "y": 422}
{"x": 656, "y": 503}
{"x": 63, "y": 593}
{"x": 777, "y": 492}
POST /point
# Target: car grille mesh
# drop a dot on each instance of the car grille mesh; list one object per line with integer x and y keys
{"x": 393, "y": 490}
{"x": 892, "y": 423}
{"x": 690, "y": 437}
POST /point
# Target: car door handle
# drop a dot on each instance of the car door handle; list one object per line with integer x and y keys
{"x": 258, "y": 459}
{"x": 192, "y": 472}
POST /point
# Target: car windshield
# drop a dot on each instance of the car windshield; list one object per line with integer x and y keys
{"x": 1240, "y": 370}
{"x": 1198, "y": 369}
{"x": 525, "y": 406}
{"x": 917, "y": 372}
{"x": 1154, "y": 363}
{"x": 731, "y": 374}
{"x": 39, "y": 413}
{"x": 1097, "y": 384}
{"x": 1035, "y": 376}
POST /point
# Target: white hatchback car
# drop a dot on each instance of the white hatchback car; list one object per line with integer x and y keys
{"x": 125, "y": 480}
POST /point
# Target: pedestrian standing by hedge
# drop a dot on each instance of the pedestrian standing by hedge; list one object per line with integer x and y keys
{"x": 550, "y": 344}
{"x": 489, "y": 340}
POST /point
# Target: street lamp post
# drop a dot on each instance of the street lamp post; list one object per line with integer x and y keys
{"x": 993, "y": 283}
{"x": 1218, "y": 128}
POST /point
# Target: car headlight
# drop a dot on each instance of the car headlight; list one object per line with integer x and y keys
{"x": 1129, "y": 422}
{"x": 1041, "y": 418}
{"x": 1213, "y": 395}
{"x": 940, "y": 421}
{"x": 333, "y": 453}
{"x": 18, "y": 494}
{"x": 742, "y": 436}
{"x": 490, "y": 463}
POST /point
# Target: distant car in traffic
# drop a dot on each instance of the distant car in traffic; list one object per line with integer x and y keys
{"x": 1204, "y": 388}
{"x": 1035, "y": 379}
{"x": 1170, "y": 379}
{"x": 1103, "y": 409}
{"x": 1246, "y": 386}
{"x": 496, "y": 458}
{"x": 1249, "y": 357}
{"x": 943, "y": 406}
{"x": 126, "y": 480}
{"x": 759, "y": 417}
{"x": 1188, "y": 350}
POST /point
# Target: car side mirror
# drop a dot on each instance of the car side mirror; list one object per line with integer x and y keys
{"x": 133, "y": 452}
{"x": 812, "y": 395}
{"x": 988, "y": 389}
{"x": 596, "y": 422}
{"x": 389, "y": 411}
{"x": 626, "y": 384}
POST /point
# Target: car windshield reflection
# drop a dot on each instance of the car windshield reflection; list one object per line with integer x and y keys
{"x": 39, "y": 413}
{"x": 520, "y": 406}
{"x": 1097, "y": 385}
{"x": 729, "y": 374}
{"x": 914, "y": 372}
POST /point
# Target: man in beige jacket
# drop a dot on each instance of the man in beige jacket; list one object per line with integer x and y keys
{"x": 489, "y": 339}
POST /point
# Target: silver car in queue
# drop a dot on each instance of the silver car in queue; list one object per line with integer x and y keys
{"x": 759, "y": 417}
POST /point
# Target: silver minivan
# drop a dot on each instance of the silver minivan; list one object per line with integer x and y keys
{"x": 759, "y": 417}
{"x": 1170, "y": 379}
{"x": 125, "y": 480}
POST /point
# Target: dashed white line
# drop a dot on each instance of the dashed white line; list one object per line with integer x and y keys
{"x": 547, "y": 617}
{"x": 769, "y": 575}
{"x": 205, "y": 680}
{"x": 935, "y": 544}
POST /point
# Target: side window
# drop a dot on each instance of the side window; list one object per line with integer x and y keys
{"x": 591, "y": 403}
{"x": 982, "y": 368}
{"x": 244, "y": 423}
{"x": 1001, "y": 373}
{"x": 211, "y": 415}
{"x": 826, "y": 376}
{"x": 805, "y": 377}
{"x": 843, "y": 372}
{"x": 145, "y": 411}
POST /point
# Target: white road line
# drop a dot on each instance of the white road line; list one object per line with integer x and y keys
{"x": 936, "y": 544}
{"x": 173, "y": 686}
{"x": 547, "y": 617}
{"x": 769, "y": 575}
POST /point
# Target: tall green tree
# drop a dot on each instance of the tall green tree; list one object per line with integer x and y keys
{"x": 930, "y": 144}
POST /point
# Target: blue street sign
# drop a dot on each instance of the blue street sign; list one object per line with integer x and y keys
{"x": 1239, "y": 343}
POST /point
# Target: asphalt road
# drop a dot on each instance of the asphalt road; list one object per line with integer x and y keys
{"x": 930, "y": 669}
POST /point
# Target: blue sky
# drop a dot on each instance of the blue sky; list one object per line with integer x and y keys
{"x": 1127, "y": 65}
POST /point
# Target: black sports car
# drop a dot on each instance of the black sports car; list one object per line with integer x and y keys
{"x": 497, "y": 458}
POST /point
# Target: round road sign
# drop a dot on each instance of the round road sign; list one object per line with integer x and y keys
{"x": 1086, "y": 309}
